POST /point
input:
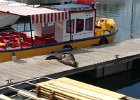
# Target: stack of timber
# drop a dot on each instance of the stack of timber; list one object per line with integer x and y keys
{"x": 68, "y": 89}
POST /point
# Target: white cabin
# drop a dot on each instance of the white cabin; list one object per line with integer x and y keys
{"x": 82, "y": 23}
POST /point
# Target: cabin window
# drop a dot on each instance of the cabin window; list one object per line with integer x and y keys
{"x": 79, "y": 25}
{"x": 68, "y": 26}
{"x": 22, "y": 27}
{"x": 89, "y": 24}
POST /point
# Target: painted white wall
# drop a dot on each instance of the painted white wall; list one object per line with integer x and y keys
{"x": 37, "y": 28}
{"x": 66, "y": 36}
{"x": 85, "y": 33}
{"x": 59, "y": 31}
{"x": 82, "y": 34}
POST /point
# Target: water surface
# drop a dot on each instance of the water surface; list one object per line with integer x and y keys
{"x": 126, "y": 13}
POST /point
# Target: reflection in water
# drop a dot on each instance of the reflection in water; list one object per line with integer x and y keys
{"x": 126, "y": 83}
{"x": 126, "y": 13}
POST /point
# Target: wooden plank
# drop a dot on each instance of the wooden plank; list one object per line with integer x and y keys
{"x": 78, "y": 89}
{"x": 90, "y": 87}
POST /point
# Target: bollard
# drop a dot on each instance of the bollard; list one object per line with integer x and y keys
{"x": 14, "y": 57}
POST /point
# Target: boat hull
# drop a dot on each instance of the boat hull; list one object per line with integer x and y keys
{"x": 42, "y": 50}
{"x": 7, "y": 19}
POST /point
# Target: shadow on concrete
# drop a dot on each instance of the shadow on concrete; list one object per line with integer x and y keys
{"x": 20, "y": 61}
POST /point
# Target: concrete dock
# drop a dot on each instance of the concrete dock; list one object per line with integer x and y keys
{"x": 101, "y": 58}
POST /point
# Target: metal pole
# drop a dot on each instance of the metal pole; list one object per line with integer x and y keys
{"x": 26, "y": 93}
{"x": 24, "y": 24}
{"x": 107, "y": 9}
{"x": 71, "y": 37}
{"x": 131, "y": 27}
{"x": 31, "y": 32}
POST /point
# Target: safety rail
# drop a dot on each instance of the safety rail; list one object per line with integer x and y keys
{"x": 20, "y": 90}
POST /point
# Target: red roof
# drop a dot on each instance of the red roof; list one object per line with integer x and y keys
{"x": 85, "y": 1}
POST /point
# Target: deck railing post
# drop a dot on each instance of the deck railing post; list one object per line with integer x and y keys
{"x": 31, "y": 32}
{"x": 9, "y": 81}
{"x": 71, "y": 37}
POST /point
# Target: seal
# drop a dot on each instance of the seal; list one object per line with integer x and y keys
{"x": 65, "y": 58}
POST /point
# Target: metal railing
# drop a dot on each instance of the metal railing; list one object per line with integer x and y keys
{"x": 22, "y": 90}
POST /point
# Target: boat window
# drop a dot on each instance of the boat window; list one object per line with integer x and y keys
{"x": 50, "y": 24}
{"x": 89, "y": 24}
{"x": 22, "y": 27}
{"x": 68, "y": 26}
{"x": 79, "y": 25}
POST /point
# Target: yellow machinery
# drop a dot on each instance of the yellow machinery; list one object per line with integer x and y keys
{"x": 104, "y": 26}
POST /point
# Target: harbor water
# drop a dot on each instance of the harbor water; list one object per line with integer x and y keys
{"x": 126, "y": 13}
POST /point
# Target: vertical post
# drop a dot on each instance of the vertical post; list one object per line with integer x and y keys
{"x": 103, "y": 71}
{"x": 132, "y": 18}
{"x": 14, "y": 57}
{"x": 31, "y": 32}
{"x": 9, "y": 81}
{"x": 71, "y": 37}
{"x": 24, "y": 23}
{"x": 20, "y": 41}
{"x": 107, "y": 9}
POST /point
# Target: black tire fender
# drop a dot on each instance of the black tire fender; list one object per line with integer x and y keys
{"x": 68, "y": 46}
{"x": 103, "y": 41}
